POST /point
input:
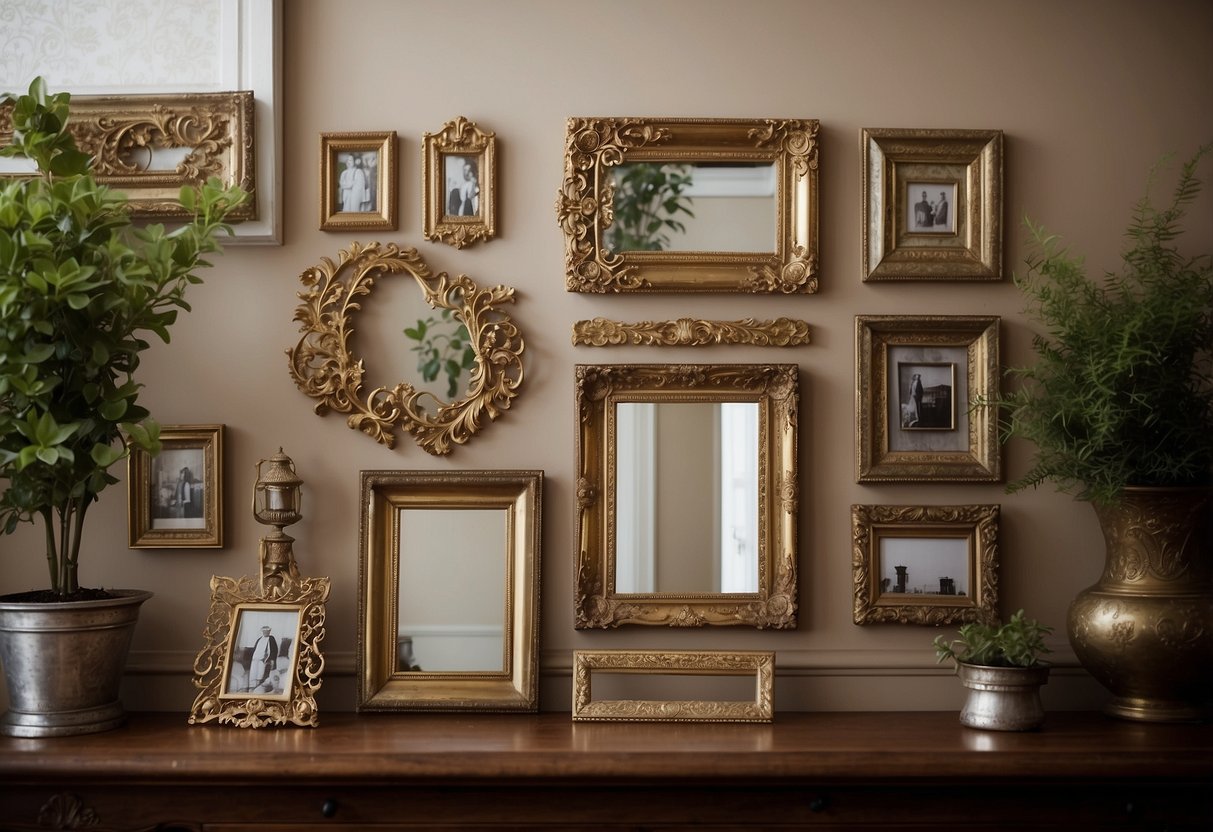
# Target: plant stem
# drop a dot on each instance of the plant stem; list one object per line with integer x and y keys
{"x": 72, "y": 578}
{"x": 52, "y": 559}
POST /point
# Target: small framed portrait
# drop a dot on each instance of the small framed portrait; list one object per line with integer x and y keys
{"x": 932, "y": 202}
{"x": 921, "y": 382}
{"x": 175, "y": 498}
{"x": 358, "y": 181}
{"x": 260, "y": 661}
{"x": 925, "y": 564}
{"x": 459, "y": 179}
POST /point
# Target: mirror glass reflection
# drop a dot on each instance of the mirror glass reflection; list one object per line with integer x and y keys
{"x": 452, "y": 589}
{"x": 686, "y": 497}
{"x": 684, "y": 207}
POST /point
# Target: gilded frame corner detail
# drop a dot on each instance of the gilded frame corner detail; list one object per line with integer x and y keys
{"x": 459, "y": 208}
{"x": 688, "y": 332}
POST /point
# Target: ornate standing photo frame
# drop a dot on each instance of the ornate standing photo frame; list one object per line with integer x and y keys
{"x": 358, "y": 181}
{"x": 175, "y": 499}
{"x": 917, "y": 382}
{"x": 932, "y": 204}
{"x": 755, "y": 705}
{"x": 925, "y": 564}
{"x": 459, "y": 184}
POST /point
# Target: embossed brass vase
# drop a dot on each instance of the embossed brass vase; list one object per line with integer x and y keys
{"x": 1145, "y": 629}
{"x": 1002, "y": 698}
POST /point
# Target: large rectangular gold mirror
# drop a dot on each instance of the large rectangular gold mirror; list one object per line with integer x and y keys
{"x": 448, "y": 590}
{"x": 690, "y": 205}
{"x": 686, "y": 494}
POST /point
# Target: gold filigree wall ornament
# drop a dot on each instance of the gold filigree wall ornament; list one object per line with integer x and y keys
{"x": 589, "y": 205}
{"x": 324, "y": 368}
{"x": 123, "y": 132}
{"x": 688, "y": 332}
{"x": 459, "y": 184}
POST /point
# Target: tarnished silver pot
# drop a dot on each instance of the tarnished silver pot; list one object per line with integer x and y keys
{"x": 1003, "y": 698}
{"x": 63, "y": 663}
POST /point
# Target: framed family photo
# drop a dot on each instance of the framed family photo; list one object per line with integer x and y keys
{"x": 260, "y": 659}
{"x": 932, "y": 204}
{"x": 459, "y": 182}
{"x": 920, "y": 383}
{"x": 358, "y": 181}
{"x": 925, "y": 564}
{"x": 175, "y": 499}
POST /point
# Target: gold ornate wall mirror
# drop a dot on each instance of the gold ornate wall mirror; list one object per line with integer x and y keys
{"x": 690, "y": 205}
{"x": 430, "y": 636}
{"x": 465, "y": 350}
{"x": 687, "y": 495}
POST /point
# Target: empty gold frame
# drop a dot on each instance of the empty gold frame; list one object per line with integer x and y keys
{"x": 150, "y": 146}
{"x": 324, "y": 367}
{"x": 716, "y": 446}
{"x": 459, "y": 184}
{"x": 758, "y": 666}
{"x": 448, "y": 591}
{"x": 701, "y": 177}
{"x": 925, "y": 564}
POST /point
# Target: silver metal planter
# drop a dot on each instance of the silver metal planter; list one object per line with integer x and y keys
{"x": 1003, "y": 698}
{"x": 63, "y": 663}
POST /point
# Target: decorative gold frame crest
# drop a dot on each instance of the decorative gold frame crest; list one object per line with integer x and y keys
{"x": 120, "y": 132}
{"x": 324, "y": 368}
{"x": 885, "y": 452}
{"x": 230, "y": 599}
{"x": 584, "y": 206}
{"x": 383, "y": 685}
{"x": 967, "y": 162}
{"x": 381, "y": 214}
{"x": 142, "y": 496}
{"x": 459, "y": 141}
{"x": 774, "y": 387}
{"x": 877, "y": 602}
{"x": 688, "y": 332}
{"x": 756, "y": 664}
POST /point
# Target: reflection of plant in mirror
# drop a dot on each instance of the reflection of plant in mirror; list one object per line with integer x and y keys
{"x": 441, "y": 350}
{"x": 648, "y": 199}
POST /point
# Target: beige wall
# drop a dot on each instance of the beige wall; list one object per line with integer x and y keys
{"x": 1089, "y": 92}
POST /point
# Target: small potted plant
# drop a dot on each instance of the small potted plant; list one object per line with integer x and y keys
{"x": 1001, "y": 668}
{"x": 81, "y": 291}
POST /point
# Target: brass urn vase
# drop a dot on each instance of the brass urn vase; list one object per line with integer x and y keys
{"x": 1145, "y": 629}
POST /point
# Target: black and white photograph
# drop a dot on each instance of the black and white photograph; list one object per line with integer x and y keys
{"x": 931, "y": 207}
{"x": 263, "y": 649}
{"x": 927, "y": 395}
{"x": 175, "y": 497}
{"x": 924, "y": 565}
{"x": 178, "y": 489}
{"x": 462, "y": 174}
{"x": 357, "y": 183}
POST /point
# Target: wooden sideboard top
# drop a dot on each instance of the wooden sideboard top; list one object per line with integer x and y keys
{"x": 383, "y": 748}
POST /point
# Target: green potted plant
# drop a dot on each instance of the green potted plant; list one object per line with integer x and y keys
{"x": 80, "y": 290}
{"x": 1119, "y": 405}
{"x": 1000, "y": 666}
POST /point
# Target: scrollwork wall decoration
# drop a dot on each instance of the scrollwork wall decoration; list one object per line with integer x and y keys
{"x": 688, "y": 332}
{"x": 324, "y": 367}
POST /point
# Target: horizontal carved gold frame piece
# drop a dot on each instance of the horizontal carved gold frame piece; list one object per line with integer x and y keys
{"x": 207, "y": 134}
{"x": 598, "y": 389}
{"x": 463, "y": 222}
{"x": 324, "y": 367}
{"x": 585, "y": 204}
{"x": 758, "y": 665}
{"x": 877, "y": 599}
{"x": 688, "y": 332}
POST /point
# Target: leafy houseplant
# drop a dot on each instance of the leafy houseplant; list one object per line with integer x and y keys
{"x": 1018, "y": 643}
{"x": 648, "y": 198}
{"x": 442, "y": 347}
{"x": 79, "y": 287}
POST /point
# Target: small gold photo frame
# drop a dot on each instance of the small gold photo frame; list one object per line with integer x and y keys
{"x": 358, "y": 181}
{"x": 917, "y": 379}
{"x": 175, "y": 499}
{"x": 636, "y": 684}
{"x": 932, "y": 204}
{"x": 459, "y": 184}
{"x": 925, "y": 564}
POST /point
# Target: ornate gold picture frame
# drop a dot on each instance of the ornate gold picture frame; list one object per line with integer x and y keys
{"x": 755, "y": 665}
{"x": 150, "y": 146}
{"x": 916, "y": 381}
{"x": 925, "y": 564}
{"x": 459, "y": 184}
{"x": 358, "y": 181}
{"x": 324, "y": 367}
{"x": 448, "y": 591}
{"x": 720, "y": 441}
{"x": 932, "y": 204}
{"x": 175, "y": 499}
{"x": 640, "y": 199}
{"x": 687, "y": 332}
